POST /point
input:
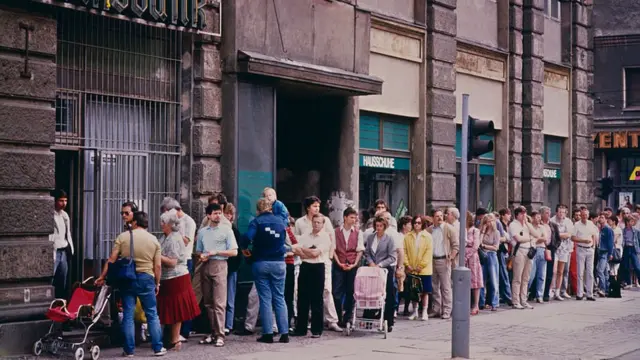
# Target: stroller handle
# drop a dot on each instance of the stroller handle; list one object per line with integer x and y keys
{"x": 87, "y": 280}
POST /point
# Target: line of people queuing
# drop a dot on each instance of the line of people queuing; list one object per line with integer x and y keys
{"x": 307, "y": 267}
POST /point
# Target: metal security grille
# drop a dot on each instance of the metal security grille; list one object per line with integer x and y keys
{"x": 118, "y": 103}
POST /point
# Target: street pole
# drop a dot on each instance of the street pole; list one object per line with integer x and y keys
{"x": 461, "y": 275}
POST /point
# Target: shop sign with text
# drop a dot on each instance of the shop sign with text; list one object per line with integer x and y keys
{"x": 186, "y": 13}
{"x": 551, "y": 173}
{"x": 384, "y": 162}
{"x": 616, "y": 140}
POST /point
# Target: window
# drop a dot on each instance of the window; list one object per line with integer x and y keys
{"x": 552, "y": 150}
{"x": 552, "y": 172}
{"x": 552, "y": 9}
{"x": 383, "y": 133}
{"x": 631, "y": 87}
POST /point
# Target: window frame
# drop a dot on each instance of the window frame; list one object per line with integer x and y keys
{"x": 548, "y": 4}
{"x": 381, "y": 149}
{"x": 625, "y": 95}
{"x": 552, "y": 139}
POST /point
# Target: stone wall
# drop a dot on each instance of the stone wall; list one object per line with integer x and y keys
{"x": 515, "y": 102}
{"x": 532, "y": 102}
{"x": 441, "y": 103}
{"x": 27, "y": 119}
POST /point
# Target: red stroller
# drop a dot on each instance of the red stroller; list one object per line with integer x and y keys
{"x": 85, "y": 308}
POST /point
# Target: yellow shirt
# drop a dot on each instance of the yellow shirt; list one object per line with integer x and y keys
{"x": 146, "y": 249}
{"x": 421, "y": 255}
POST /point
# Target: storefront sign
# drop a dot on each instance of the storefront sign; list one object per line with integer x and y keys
{"x": 187, "y": 13}
{"x": 383, "y": 162}
{"x": 635, "y": 174}
{"x": 551, "y": 173}
{"x": 616, "y": 140}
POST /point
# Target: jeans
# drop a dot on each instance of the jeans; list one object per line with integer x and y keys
{"x": 630, "y": 263}
{"x": 232, "y": 282}
{"x": 503, "y": 274}
{"x": 60, "y": 271}
{"x": 143, "y": 288}
{"x": 186, "y": 327}
{"x": 602, "y": 270}
{"x": 491, "y": 286}
{"x": 538, "y": 272}
{"x": 269, "y": 277}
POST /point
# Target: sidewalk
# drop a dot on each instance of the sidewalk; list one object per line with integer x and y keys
{"x": 558, "y": 330}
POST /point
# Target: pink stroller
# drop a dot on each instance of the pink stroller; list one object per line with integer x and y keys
{"x": 369, "y": 293}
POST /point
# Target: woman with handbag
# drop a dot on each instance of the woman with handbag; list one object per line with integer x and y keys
{"x": 519, "y": 232}
{"x": 176, "y": 299}
{"x": 472, "y": 261}
{"x": 418, "y": 263}
{"x": 489, "y": 248}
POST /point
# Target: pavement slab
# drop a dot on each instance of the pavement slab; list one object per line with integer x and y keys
{"x": 605, "y": 329}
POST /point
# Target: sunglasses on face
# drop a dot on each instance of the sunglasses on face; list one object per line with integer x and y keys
{"x": 125, "y": 212}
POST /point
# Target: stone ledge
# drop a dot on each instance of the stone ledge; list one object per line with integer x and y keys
{"x": 206, "y": 176}
{"x": 27, "y": 170}
{"x": 26, "y": 124}
{"x": 441, "y": 47}
{"x": 26, "y": 215}
{"x": 207, "y": 101}
{"x": 41, "y": 85}
{"x": 207, "y": 64}
{"x": 441, "y": 20}
{"x": 207, "y": 137}
{"x": 26, "y": 261}
{"x": 441, "y": 103}
{"x": 439, "y": 187}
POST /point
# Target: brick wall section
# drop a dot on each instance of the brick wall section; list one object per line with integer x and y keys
{"x": 515, "y": 102}
{"x": 441, "y": 103}
{"x": 582, "y": 105}
{"x": 532, "y": 102}
{"x": 27, "y": 123}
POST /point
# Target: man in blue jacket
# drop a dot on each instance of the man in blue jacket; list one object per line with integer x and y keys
{"x": 605, "y": 254}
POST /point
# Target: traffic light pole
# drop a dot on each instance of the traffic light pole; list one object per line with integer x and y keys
{"x": 461, "y": 275}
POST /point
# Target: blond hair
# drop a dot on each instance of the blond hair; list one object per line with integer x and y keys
{"x": 229, "y": 209}
{"x": 262, "y": 206}
{"x": 264, "y": 192}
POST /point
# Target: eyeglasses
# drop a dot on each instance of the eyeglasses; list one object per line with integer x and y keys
{"x": 124, "y": 213}
{"x": 418, "y": 223}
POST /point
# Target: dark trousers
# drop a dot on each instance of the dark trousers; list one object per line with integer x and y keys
{"x": 289, "y": 287}
{"x": 60, "y": 272}
{"x": 185, "y": 328}
{"x": 389, "y": 301}
{"x": 343, "y": 282}
{"x": 549, "y": 278}
{"x": 310, "y": 290}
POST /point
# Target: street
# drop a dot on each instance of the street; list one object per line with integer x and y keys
{"x": 605, "y": 329}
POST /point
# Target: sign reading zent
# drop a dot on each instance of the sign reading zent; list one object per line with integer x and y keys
{"x": 187, "y": 13}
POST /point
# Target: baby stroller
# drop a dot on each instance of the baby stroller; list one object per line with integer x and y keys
{"x": 85, "y": 308}
{"x": 370, "y": 292}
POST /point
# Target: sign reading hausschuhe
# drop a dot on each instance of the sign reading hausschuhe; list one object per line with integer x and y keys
{"x": 187, "y": 13}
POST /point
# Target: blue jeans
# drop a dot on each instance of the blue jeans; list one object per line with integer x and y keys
{"x": 491, "y": 286}
{"x": 630, "y": 263}
{"x": 603, "y": 271}
{"x": 144, "y": 288}
{"x": 503, "y": 278}
{"x": 60, "y": 271}
{"x": 232, "y": 282}
{"x": 539, "y": 272}
{"x": 269, "y": 277}
{"x": 186, "y": 327}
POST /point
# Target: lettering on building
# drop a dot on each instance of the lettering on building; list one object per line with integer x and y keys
{"x": 616, "y": 140}
{"x": 551, "y": 174}
{"x": 378, "y": 162}
{"x": 186, "y": 13}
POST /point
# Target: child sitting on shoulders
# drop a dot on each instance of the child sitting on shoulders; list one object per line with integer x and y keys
{"x": 277, "y": 207}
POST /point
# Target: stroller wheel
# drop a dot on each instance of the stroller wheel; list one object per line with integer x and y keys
{"x": 95, "y": 352}
{"x": 37, "y": 348}
{"x": 79, "y": 353}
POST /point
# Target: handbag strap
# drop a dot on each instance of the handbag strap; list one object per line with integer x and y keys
{"x": 130, "y": 246}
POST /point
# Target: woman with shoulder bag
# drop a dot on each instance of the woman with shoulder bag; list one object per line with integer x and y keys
{"x": 472, "y": 261}
{"x": 490, "y": 237}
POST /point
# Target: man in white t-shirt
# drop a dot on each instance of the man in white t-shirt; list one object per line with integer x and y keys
{"x": 585, "y": 235}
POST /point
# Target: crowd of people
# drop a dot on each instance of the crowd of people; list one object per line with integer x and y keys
{"x": 304, "y": 270}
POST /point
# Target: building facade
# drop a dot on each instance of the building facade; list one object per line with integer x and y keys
{"x": 616, "y": 90}
{"x": 350, "y": 100}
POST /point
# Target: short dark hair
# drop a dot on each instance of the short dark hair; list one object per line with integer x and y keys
{"x": 593, "y": 214}
{"x": 381, "y": 202}
{"x": 608, "y": 209}
{"x": 582, "y": 208}
{"x": 349, "y": 211}
{"x": 218, "y": 197}
{"x": 404, "y": 220}
{"x": 380, "y": 219}
{"x": 141, "y": 219}
{"x": 422, "y": 220}
{"x": 212, "y": 207}
{"x": 59, "y": 194}
{"x": 131, "y": 205}
{"x": 519, "y": 210}
{"x": 560, "y": 206}
{"x": 534, "y": 213}
{"x": 614, "y": 219}
{"x": 504, "y": 212}
{"x": 310, "y": 200}
{"x": 481, "y": 211}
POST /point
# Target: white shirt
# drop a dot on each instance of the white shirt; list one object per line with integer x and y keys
{"x": 517, "y": 228}
{"x": 347, "y": 233}
{"x": 321, "y": 241}
{"x": 59, "y": 237}
{"x": 374, "y": 244}
{"x": 187, "y": 229}
{"x": 564, "y": 226}
{"x": 437, "y": 236}
{"x": 585, "y": 231}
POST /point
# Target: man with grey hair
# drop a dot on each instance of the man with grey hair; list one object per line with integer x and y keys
{"x": 186, "y": 228}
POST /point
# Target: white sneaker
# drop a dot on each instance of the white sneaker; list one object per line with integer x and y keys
{"x": 414, "y": 315}
{"x": 518, "y": 306}
{"x": 162, "y": 352}
{"x": 425, "y": 315}
{"x": 558, "y": 297}
{"x": 567, "y": 296}
{"x": 527, "y": 306}
{"x": 335, "y": 327}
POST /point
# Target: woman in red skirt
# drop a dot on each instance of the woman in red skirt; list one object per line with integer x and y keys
{"x": 176, "y": 299}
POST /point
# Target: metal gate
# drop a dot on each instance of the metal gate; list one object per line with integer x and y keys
{"x": 118, "y": 103}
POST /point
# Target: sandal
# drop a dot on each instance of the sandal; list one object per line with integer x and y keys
{"x": 176, "y": 346}
{"x": 219, "y": 342}
{"x": 207, "y": 341}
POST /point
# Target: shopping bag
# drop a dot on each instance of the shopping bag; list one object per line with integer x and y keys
{"x": 138, "y": 315}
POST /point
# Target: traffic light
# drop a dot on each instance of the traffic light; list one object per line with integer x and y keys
{"x": 604, "y": 188}
{"x": 477, "y": 146}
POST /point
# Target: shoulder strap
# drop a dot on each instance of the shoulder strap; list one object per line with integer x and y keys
{"x": 130, "y": 245}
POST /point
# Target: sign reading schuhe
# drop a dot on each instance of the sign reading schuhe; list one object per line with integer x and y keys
{"x": 187, "y": 13}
